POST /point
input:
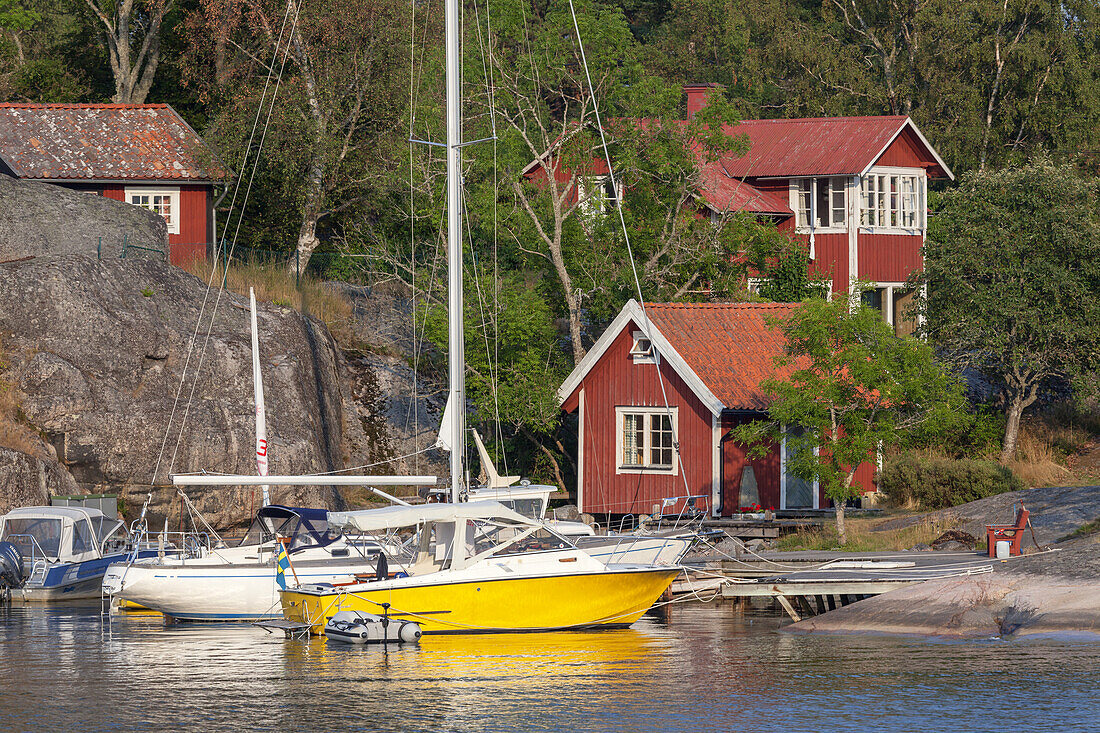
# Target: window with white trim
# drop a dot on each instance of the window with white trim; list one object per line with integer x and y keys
{"x": 821, "y": 203}
{"x": 646, "y": 439}
{"x": 598, "y": 194}
{"x": 892, "y": 200}
{"x": 165, "y": 202}
{"x": 641, "y": 351}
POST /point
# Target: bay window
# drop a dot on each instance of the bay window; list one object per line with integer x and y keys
{"x": 892, "y": 200}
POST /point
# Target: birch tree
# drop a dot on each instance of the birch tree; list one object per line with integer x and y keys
{"x": 131, "y": 31}
{"x": 339, "y": 70}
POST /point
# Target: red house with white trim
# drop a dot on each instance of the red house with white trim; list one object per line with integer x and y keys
{"x": 141, "y": 153}
{"x": 854, "y": 189}
{"x": 655, "y": 412}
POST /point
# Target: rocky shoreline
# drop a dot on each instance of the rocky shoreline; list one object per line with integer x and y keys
{"x": 1056, "y": 592}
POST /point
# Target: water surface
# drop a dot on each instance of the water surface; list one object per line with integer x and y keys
{"x": 692, "y": 668}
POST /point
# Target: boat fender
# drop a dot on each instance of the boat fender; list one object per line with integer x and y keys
{"x": 11, "y": 566}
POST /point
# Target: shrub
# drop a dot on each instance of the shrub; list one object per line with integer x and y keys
{"x": 936, "y": 483}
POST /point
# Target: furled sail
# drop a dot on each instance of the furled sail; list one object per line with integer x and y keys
{"x": 446, "y": 428}
{"x": 258, "y": 386}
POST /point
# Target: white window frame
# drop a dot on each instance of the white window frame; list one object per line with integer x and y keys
{"x": 600, "y": 203}
{"x": 648, "y": 412}
{"x": 799, "y": 192}
{"x": 173, "y": 195}
{"x": 882, "y": 196}
{"x": 641, "y": 349}
{"x": 783, "y": 476}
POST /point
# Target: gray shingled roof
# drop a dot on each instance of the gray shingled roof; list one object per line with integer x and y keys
{"x": 102, "y": 141}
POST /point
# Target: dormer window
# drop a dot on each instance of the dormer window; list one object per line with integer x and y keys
{"x": 642, "y": 349}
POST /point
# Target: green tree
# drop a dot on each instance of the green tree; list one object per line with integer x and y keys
{"x": 852, "y": 386}
{"x": 514, "y": 363}
{"x": 329, "y": 146}
{"x": 1012, "y": 275}
{"x": 131, "y": 32}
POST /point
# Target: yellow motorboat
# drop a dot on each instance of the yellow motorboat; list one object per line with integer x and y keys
{"x": 507, "y": 573}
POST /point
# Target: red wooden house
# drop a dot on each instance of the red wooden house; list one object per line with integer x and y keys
{"x": 655, "y": 407}
{"x": 853, "y": 188}
{"x": 141, "y": 153}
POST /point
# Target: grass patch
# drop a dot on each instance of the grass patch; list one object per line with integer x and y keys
{"x": 864, "y": 537}
{"x": 15, "y": 432}
{"x": 1085, "y": 530}
{"x": 276, "y": 285}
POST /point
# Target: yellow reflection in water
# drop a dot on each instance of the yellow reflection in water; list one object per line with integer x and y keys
{"x": 538, "y": 658}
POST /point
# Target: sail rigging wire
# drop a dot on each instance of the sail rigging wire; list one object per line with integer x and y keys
{"x": 217, "y": 252}
{"x": 646, "y": 325}
{"x": 490, "y": 89}
{"x": 236, "y": 232}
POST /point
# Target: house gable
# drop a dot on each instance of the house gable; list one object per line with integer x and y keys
{"x": 633, "y": 316}
{"x": 910, "y": 149}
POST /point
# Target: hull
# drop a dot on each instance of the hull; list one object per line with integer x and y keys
{"x": 67, "y": 581}
{"x": 609, "y": 599}
{"x": 217, "y": 592}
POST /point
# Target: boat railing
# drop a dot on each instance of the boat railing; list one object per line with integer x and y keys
{"x": 37, "y": 554}
{"x": 689, "y": 512}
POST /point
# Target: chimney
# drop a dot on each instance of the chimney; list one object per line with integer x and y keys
{"x": 697, "y": 96}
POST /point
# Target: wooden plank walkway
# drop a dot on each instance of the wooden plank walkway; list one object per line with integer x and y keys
{"x": 806, "y": 583}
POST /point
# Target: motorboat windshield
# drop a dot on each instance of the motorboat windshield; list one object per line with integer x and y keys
{"x": 34, "y": 536}
{"x": 305, "y": 527}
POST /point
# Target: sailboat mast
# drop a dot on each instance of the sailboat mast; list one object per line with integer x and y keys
{"x": 456, "y": 341}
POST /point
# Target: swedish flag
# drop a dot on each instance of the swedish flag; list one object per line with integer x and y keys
{"x": 282, "y": 563}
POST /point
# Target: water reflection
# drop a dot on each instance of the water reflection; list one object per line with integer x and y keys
{"x": 695, "y": 668}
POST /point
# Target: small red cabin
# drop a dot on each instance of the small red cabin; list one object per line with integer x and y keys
{"x": 141, "y": 153}
{"x": 705, "y": 361}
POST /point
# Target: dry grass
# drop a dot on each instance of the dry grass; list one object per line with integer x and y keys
{"x": 863, "y": 537}
{"x": 1053, "y": 448}
{"x": 1037, "y": 461}
{"x": 15, "y": 433}
{"x": 276, "y": 285}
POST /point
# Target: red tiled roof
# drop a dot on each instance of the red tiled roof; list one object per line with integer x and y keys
{"x": 102, "y": 141}
{"x": 732, "y": 194}
{"x": 821, "y": 146}
{"x": 730, "y": 346}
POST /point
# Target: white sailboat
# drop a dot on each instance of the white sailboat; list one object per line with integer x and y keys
{"x": 242, "y": 583}
{"x": 479, "y": 566}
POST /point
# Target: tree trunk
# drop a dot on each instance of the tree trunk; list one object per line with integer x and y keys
{"x": 307, "y": 242}
{"x": 1012, "y": 429}
{"x": 307, "y": 233}
{"x": 841, "y": 529}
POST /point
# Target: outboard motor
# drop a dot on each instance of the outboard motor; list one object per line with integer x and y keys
{"x": 11, "y": 569}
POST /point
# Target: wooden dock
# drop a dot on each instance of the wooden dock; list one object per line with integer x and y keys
{"x": 806, "y": 584}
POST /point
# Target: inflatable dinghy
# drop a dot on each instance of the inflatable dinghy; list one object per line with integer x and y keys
{"x": 357, "y": 627}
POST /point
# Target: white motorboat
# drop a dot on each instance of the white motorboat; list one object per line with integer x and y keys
{"x": 61, "y": 552}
